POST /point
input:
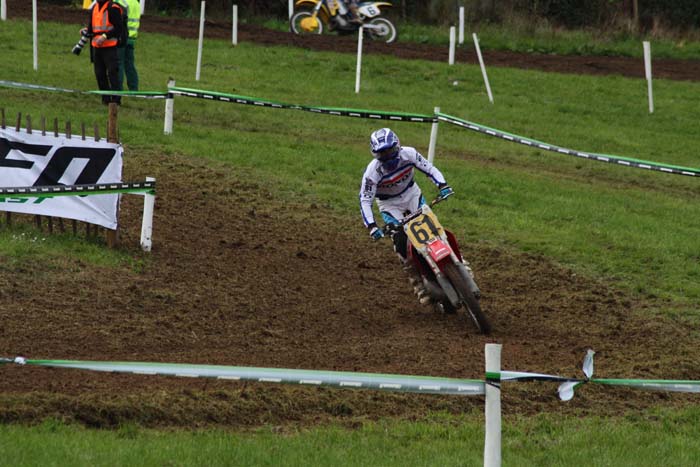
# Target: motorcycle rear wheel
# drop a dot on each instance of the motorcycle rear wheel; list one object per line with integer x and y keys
{"x": 471, "y": 303}
{"x": 301, "y": 15}
{"x": 386, "y": 31}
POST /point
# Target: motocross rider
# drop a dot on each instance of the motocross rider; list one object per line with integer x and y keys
{"x": 389, "y": 179}
{"x": 353, "y": 13}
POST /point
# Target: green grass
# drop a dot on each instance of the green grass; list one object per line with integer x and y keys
{"x": 660, "y": 439}
{"x": 634, "y": 228}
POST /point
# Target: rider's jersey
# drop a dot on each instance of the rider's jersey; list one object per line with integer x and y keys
{"x": 384, "y": 184}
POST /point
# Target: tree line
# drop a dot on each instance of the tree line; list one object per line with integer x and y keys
{"x": 636, "y": 14}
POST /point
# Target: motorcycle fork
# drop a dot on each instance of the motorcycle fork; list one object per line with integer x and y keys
{"x": 444, "y": 283}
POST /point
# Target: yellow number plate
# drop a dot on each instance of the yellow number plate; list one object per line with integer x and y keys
{"x": 424, "y": 228}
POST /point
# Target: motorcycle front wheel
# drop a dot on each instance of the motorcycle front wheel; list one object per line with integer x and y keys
{"x": 384, "y": 30}
{"x": 471, "y": 303}
{"x": 302, "y": 22}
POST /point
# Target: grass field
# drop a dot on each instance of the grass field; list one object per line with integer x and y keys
{"x": 632, "y": 228}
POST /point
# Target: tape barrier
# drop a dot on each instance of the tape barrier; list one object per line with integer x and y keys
{"x": 359, "y": 113}
{"x": 50, "y": 191}
{"x": 396, "y": 383}
{"x": 640, "y": 164}
{"x": 566, "y": 389}
{"x": 381, "y": 115}
{"x": 36, "y": 87}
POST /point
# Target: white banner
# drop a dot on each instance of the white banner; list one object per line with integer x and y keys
{"x": 36, "y": 160}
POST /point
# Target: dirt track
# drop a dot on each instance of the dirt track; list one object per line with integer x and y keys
{"x": 213, "y": 293}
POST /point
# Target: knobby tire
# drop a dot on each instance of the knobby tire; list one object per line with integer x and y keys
{"x": 471, "y": 303}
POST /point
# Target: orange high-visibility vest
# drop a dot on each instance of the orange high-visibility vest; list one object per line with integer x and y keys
{"x": 101, "y": 25}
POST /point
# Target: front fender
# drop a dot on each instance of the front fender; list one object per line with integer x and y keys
{"x": 306, "y": 2}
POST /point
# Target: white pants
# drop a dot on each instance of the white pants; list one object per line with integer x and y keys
{"x": 401, "y": 206}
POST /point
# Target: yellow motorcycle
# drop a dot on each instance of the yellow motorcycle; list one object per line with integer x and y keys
{"x": 316, "y": 16}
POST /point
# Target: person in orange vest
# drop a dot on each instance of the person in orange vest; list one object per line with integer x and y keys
{"x": 106, "y": 27}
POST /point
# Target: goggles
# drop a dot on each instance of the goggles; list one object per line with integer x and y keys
{"x": 387, "y": 154}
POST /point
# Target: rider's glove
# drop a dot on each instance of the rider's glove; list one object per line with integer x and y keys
{"x": 446, "y": 191}
{"x": 375, "y": 232}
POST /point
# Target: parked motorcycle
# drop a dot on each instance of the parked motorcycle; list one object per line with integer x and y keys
{"x": 316, "y": 16}
{"x": 435, "y": 255}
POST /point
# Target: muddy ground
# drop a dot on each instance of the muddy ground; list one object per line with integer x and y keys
{"x": 297, "y": 286}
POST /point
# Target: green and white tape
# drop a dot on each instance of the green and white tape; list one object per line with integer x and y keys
{"x": 50, "y": 191}
{"x": 37, "y": 87}
{"x": 351, "y": 380}
{"x": 396, "y": 383}
{"x": 627, "y": 162}
{"x": 337, "y": 111}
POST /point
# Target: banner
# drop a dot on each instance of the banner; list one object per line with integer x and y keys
{"x": 36, "y": 160}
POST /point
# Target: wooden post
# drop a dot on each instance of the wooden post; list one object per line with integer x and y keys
{"x": 112, "y": 236}
{"x": 2, "y": 122}
{"x": 19, "y": 122}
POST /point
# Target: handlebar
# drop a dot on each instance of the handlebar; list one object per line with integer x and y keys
{"x": 392, "y": 228}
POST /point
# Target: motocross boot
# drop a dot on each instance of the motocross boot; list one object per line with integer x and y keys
{"x": 353, "y": 15}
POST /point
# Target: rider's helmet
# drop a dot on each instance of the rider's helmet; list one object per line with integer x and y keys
{"x": 385, "y": 147}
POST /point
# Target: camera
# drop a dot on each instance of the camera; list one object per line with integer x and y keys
{"x": 84, "y": 38}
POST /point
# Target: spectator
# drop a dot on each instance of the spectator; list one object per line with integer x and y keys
{"x": 127, "y": 62}
{"x": 106, "y": 27}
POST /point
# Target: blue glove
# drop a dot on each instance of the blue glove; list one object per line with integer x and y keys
{"x": 446, "y": 191}
{"x": 375, "y": 232}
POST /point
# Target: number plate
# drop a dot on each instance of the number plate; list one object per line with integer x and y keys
{"x": 423, "y": 228}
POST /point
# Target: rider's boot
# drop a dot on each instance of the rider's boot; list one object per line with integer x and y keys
{"x": 415, "y": 279}
{"x": 353, "y": 14}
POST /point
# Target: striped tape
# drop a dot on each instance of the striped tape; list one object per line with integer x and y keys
{"x": 37, "y": 87}
{"x": 81, "y": 190}
{"x": 341, "y": 112}
{"x": 383, "y": 382}
{"x": 627, "y": 162}
{"x": 396, "y": 383}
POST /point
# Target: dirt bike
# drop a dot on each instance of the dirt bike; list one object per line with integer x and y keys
{"x": 434, "y": 253}
{"x": 313, "y": 16}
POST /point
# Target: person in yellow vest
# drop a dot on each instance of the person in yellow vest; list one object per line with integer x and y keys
{"x": 106, "y": 28}
{"x": 127, "y": 62}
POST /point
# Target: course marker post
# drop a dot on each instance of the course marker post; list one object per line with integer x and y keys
{"x": 461, "y": 25}
{"x": 234, "y": 26}
{"x": 169, "y": 106}
{"x": 492, "y": 442}
{"x": 143, "y": 7}
{"x": 359, "y": 60}
{"x": 433, "y": 137}
{"x": 647, "y": 72}
{"x": 34, "y": 36}
{"x": 149, "y": 201}
{"x": 291, "y": 9}
{"x": 451, "y": 58}
{"x": 483, "y": 67}
{"x": 3, "y": 10}
{"x": 201, "y": 40}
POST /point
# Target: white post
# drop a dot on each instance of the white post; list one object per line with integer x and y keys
{"x": 3, "y": 10}
{"x": 451, "y": 59}
{"x": 359, "y": 60}
{"x": 34, "y": 36}
{"x": 169, "y": 104}
{"x": 143, "y": 7}
{"x": 483, "y": 68}
{"x": 461, "y": 25}
{"x": 234, "y": 22}
{"x": 149, "y": 202}
{"x": 201, "y": 40}
{"x": 433, "y": 138}
{"x": 492, "y": 442}
{"x": 647, "y": 70}
{"x": 291, "y": 8}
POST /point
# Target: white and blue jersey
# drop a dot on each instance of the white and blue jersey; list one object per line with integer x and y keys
{"x": 395, "y": 190}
